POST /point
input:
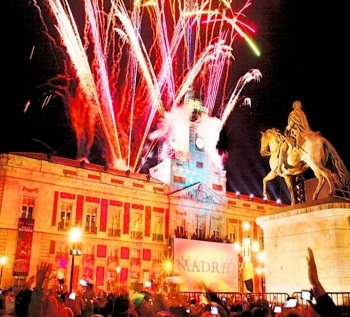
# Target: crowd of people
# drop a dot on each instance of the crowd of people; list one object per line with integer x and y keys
{"x": 54, "y": 300}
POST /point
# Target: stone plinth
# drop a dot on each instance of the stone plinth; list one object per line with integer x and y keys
{"x": 324, "y": 226}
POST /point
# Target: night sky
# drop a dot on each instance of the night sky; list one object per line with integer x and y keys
{"x": 303, "y": 57}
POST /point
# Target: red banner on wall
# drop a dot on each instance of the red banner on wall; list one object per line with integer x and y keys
{"x": 24, "y": 247}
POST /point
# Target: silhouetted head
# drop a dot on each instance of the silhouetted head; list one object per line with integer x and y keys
{"x": 297, "y": 104}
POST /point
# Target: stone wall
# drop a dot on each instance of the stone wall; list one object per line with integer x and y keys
{"x": 324, "y": 227}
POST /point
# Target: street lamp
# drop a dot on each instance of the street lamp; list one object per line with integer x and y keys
{"x": 246, "y": 249}
{"x": 118, "y": 272}
{"x": 3, "y": 260}
{"x": 261, "y": 270}
{"x": 74, "y": 237}
{"x": 247, "y": 265}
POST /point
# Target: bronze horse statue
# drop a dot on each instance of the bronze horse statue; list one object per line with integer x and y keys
{"x": 313, "y": 152}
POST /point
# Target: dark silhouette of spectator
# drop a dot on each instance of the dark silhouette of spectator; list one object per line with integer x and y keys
{"x": 324, "y": 303}
{"x": 22, "y": 301}
{"x": 258, "y": 312}
{"x": 246, "y": 313}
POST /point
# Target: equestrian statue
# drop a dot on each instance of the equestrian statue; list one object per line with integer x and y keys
{"x": 299, "y": 148}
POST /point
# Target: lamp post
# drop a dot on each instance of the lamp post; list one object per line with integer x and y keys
{"x": 261, "y": 270}
{"x": 3, "y": 260}
{"x": 246, "y": 249}
{"x": 247, "y": 265}
{"x": 74, "y": 237}
{"x": 118, "y": 273}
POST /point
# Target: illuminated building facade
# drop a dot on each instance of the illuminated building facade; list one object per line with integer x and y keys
{"x": 128, "y": 220}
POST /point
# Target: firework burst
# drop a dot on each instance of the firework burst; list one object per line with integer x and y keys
{"x": 131, "y": 64}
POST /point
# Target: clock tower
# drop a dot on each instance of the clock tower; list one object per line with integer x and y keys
{"x": 194, "y": 165}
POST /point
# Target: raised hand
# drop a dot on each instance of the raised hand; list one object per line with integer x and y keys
{"x": 317, "y": 288}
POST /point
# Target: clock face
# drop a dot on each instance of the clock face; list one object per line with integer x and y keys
{"x": 199, "y": 143}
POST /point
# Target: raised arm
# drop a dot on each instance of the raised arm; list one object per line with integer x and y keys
{"x": 35, "y": 306}
{"x": 325, "y": 303}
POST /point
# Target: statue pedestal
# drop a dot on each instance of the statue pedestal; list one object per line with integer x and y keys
{"x": 322, "y": 225}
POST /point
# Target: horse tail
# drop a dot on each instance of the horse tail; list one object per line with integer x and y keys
{"x": 339, "y": 166}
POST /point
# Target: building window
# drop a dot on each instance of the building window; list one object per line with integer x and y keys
{"x": 135, "y": 257}
{"x": 199, "y": 164}
{"x": 261, "y": 239}
{"x": 114, "y": 223}
{"x": 157, "y": 257}
{"x": 180, "y": 231}
{"x": 88, "y": 253}
{"x": 179, "y": 179}
{"x": 136, "y": 226}
{"x": 158, "y": 229}
{"x": 27, "y": 208}
{"x": 62, "y": 250}
{"x": 65, "y": 217}
{"x": 232, "y": 232}
{"x": 113, "y": 255}
{"x": 199, "y": 234}
{"x": 217, "y": 228}
{"x": 91, "y": 220}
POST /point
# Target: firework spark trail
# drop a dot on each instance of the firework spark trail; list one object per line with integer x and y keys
{"x": 145, "y": 64}
{"x": 70, "y": 36}
{"x": 136, "y": 18}
{"x": 108, "y": 121}
{"x": 253, "y": 74}
{"x": 69, "y": 33}
{"x": 167, "y": 71}
{"x": 147, "y": 74}
{"x": 216, "y": 68}
{"x": 207, "y": 55}
{"x": 166, "y": 78}
{"x": 166, "y": 81}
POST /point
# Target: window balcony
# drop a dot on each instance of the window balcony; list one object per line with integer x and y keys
{"x": 156, "y": 262}
{"x": 135, "y": 261}
{"x": 112, "y": 258}
{"x": 62, "y": 255}
{"x": 90, "y": 229}
{"x": 88, "y": 257}
{"x": 157, "y": 237}
{"x": 137, "y": 235}
{"x": 114, "y": 232}
{"x": 64, "y": 226}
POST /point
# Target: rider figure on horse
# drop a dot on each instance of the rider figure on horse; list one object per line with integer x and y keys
{"x": 297, "y": 126}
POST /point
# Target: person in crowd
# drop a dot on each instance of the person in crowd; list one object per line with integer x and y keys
{"x": 324, "y": 303}
{"x": 9, "y": 302}
{"x": 235, "y": 311}
{"x": 311, "y": 311}
{"x": 69, "y": 311}
{"x": 291, "y": 312}
{"x": 35, "y": 309}
{"x": 193, "y": 310}
{"x": 121, "y": 307}
{"x": 106, "y": 307}
{"x": 88, "y": 300}
{"x": 73, "y": 301}
{"x": 246, "y": 313}
{"x": 258, "y": 312}
{"x": 207, "y": 313}
{"x": 214, "y": 298}
{"x": 22, "y": 298}
{"x": 50, "y": 304}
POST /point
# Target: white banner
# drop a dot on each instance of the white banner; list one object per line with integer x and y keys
{"x": 204, "y": 266}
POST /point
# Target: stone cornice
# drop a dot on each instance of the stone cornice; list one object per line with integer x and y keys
{"x": 329, "y": 207}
